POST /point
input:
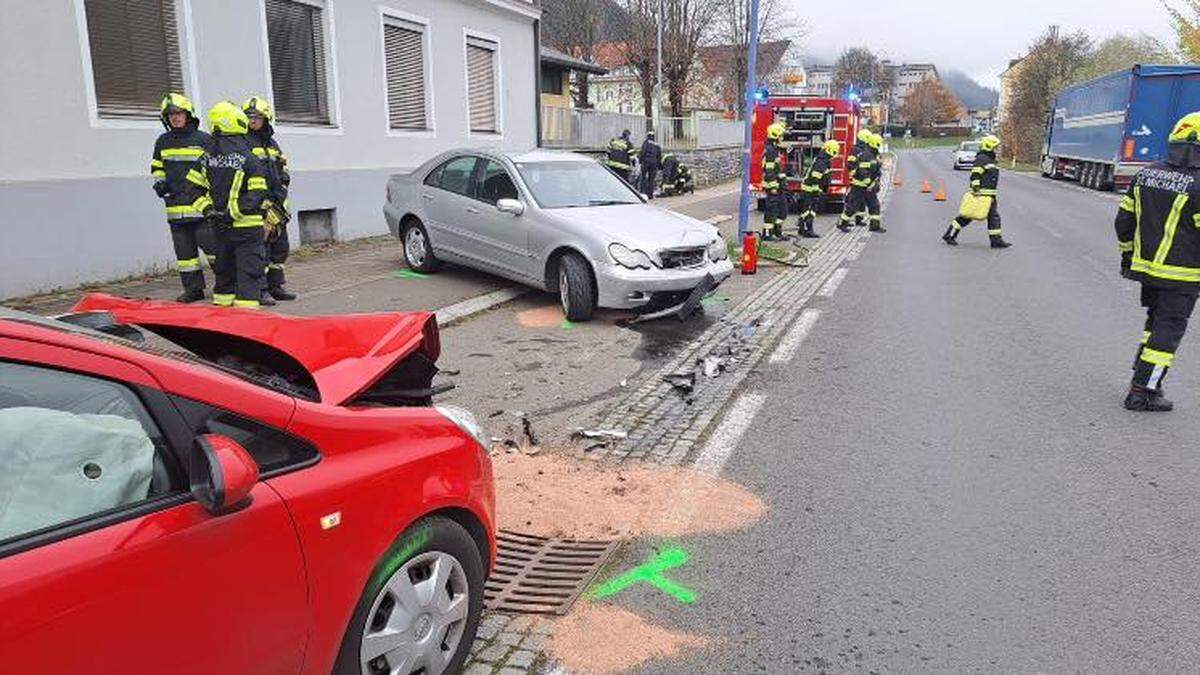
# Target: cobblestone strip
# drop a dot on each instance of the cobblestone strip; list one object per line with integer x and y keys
{"x": 507, "y": 644}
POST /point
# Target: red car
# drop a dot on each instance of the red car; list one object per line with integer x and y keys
{"x": 205, "y": 490}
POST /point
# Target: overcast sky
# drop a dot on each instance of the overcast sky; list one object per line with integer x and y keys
{"x": 976, "y": 37}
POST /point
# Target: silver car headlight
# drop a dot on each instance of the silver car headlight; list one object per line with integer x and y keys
{"x": 717, "y": 251}
{"x": 464, "y": 420}
{"x": 628, "y": 257}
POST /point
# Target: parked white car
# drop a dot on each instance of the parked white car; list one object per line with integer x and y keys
{"x": 557, "y": 221}
{"x": 964, "y": 156}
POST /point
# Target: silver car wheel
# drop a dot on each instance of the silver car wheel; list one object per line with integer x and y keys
{"x": 417, "y": 620}
{"x": 564, "y": 291}
{"x": 415, "y": 246}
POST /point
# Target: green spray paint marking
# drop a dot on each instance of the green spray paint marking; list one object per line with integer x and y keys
{"x": 417, "y": 541}
{"x": 409, "y": 274}
{"x": 566, "y": 324}
{"x": 651, "y": 573}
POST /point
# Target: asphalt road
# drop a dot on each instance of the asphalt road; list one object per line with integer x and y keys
{"x": 952, "y": 483}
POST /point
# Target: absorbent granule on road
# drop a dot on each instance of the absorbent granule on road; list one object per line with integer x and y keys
{"x": 602, "y": 639}
{"x": 555, "y": 496}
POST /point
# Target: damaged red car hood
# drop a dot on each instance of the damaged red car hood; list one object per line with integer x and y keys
{"x": 344, "y": 354}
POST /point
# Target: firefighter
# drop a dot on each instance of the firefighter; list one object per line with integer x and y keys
{"x": 240, "y": 194}
{"x": 874, "y": 212}
{"x": 860, "y": 168}
{"x": 670, "y": 178}
{"x": 1159, "y": 248}
{"x": 773, "y": 182}
{"x": 266, "y": 149}
{"x": 683, "y": 182}
{"x": 650, "y": 160}
{"x": 180, "y": 182}
{"x": 620, "y": 156}
{"x": 814, "y": 186}
{"x": 985, "y": 177}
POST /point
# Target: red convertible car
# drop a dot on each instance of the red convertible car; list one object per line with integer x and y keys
{"x": 205, "y": 490}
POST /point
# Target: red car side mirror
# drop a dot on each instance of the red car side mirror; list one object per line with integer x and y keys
{"x": 222, "y": 474}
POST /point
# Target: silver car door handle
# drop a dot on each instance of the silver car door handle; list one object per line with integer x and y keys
{"x": 472, "y": 209}
{"x": 426, "y": 196}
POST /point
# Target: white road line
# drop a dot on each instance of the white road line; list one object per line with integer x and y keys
{"x": 786, "y": 351}
{"x": 725, "y": 439}
{"x": 717, "y": 220}
{"x": 832, "y": 284}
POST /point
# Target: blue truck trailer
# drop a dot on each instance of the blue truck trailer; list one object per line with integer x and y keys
{"x": 1101, "y": 132}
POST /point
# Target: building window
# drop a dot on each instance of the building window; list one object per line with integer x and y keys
{"x": 552, "y": 81}
{"x": 481, "y": 85}
{"x": 134, "y": 46}
{"x": 404, "y": 56}
{"x": 296, "y": 41}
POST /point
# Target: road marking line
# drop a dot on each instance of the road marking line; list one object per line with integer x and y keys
{"x": 725, "y": 439}
{"x": 469, "y": 307}
{"x": 832, "y": 284}
{"x": 786, "y": 351}
{"x": 717, "y": 220}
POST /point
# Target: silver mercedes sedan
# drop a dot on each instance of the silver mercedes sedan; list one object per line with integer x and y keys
{"x": 557, "y": 221}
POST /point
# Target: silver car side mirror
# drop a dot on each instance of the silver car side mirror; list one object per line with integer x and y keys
{"x": 513, "y": 206}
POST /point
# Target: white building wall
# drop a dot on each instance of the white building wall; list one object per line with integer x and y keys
{"x": 75, "y": 197}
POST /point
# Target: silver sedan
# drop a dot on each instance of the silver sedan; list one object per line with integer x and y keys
{"x": 557, "y": 221}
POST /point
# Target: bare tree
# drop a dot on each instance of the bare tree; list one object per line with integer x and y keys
{"x": 638, "y": 44}
{"x": 686, "y": 25}
{"x": 860, "y": 69}
{"x": 1051, "y": 64}
{"x": 731, "y": 26}
{"x": 574, "y": 27}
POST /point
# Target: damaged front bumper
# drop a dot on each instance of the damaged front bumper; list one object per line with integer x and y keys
{"x": 654, "y": 290}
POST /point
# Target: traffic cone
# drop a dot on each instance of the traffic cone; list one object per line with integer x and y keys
{"x": 941, "y": 192}
{"x": 926, "y": 188}
{"x": 749, "y": 253}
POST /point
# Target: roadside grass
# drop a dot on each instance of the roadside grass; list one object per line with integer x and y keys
{"x": 918, "y": 143}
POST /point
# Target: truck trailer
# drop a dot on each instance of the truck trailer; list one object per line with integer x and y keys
{"x": 1101, "y": 132}
{"x": 810, "y": 121}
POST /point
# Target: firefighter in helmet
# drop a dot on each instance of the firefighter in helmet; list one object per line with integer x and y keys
{"x": 985, "y": 178}
{"x": 874, "y": 212}
{"x": 620, "y": 156}
{"x": 177, "y": 167}
{"x": 773, "y": 183}
{"x": 240, "y": 194}
{"x": 1160, "y": 249}
{"x": 266, "y": 149}
{"x": 860, "y": 167}
{"x": 815, "y": 185}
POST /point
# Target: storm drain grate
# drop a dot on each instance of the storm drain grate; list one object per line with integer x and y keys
{"x": 538, "y": 575}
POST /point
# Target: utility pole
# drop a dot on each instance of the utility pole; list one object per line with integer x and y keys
{"x": 748, "y": 118}
{"x": 657, "y": 112}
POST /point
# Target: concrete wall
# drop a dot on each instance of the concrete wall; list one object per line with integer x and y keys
{"x": 75, "y": 197}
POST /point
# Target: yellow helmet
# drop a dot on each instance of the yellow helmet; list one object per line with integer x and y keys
{"x": 775, "y": 132}
{"x": 876, "y": 140}
{"x": 832, "y": 148}
{"x": 864, "y": 136}
{"x": 989, "y": 143}
{"x": 259, "y": 105}
{"x": 175, "y": 102}
{"x": 228, "y": 119}
{"x": 1187, "y": 129}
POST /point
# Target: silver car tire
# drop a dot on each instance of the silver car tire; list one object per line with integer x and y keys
{"x": 576, "y": 288}
{"x": 417, "y": 250}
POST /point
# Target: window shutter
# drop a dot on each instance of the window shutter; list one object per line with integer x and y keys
{"x": 481, "y": 85}
{"x": 296, "y": 41}
{"x": 404, "y": 49}
{"x": 134, "y": 46}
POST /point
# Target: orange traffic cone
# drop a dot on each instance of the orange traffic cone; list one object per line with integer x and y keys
{"x": 941, "y": 193}
{"x": 926, "y": 188}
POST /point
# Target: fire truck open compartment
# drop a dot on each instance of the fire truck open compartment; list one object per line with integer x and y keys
{"x": 810, "y": 121}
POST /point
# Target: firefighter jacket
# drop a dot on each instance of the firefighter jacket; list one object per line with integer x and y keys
{"x": 178, "y": 160}
{"x": 816, "y": 179}
{"x": 266, "y": 149}
{"x": 238, "y": 181}
{"x": 772, "y": 167}
{"x": 861, "y": 165}
{"x": 985, "y": 175}
{"x": 651, "y": 154}
{"x": 620, "y": 154}
{"x": 1158, "y": 221}
{"x": 670, "y": 167}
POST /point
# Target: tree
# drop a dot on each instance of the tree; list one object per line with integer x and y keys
{"x": 637, "y": 41}
{"x": 574, "y": 27}
{"x": 686, "y": 24}
{"x": 1051, "y": 64}
{"x": 859, "y": 69}
{"x": 1187, "y": 27}
{"x": 1121, "y": 52}
{"x": 731, "y": 26}
{"x": 930, "y": 102}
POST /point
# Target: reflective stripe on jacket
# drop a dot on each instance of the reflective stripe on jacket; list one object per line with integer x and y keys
{"x": 985, "y": 175}
{"x": 1158, "y": 225}
{"x": 178, "y": 159}
{"x": 238, "y": 180}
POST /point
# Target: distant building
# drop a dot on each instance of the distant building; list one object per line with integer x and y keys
{"x": 1008, "y": 79}
{"x": 820, "y": 81}
{"x": 905, "y": 76}
{"x": 557, "y": 70}
{"x": 618, "y": 90}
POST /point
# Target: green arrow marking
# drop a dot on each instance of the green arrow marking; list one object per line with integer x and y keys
{"x": 651, "y": 572}
{"x": 409, "y": 274}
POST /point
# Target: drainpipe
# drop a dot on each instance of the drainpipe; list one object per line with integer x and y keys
{"x": 537, "y": 80}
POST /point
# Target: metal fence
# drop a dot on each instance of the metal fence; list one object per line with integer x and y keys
{"x": 577, "y": 129}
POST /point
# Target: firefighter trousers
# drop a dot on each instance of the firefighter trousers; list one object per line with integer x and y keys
{"x": 648, "y": 180}
{"x": 809, "y": 204}
{"x": 858, "y": 205}
{"x": 1167, "y": 314}
{"x": 775, "y": 208}
{"x": 241, "y": 260}
{"x": 874, "y": 211}
{"x": 993, "y": 222}
{"x": 277, "y": 255}
{"x": 189, "y": 238}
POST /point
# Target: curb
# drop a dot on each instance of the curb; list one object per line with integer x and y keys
{"x": 470, "y": 307}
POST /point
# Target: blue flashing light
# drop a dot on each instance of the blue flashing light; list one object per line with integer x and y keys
{"x": 762, "y": 95}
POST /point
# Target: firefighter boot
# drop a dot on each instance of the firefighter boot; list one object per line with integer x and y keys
{"x": 266, "y": 300}
{"x": 1147, "y": 400}
{"x": 807, "y": 231}
{"x": 998, "y": 242}
{"x": 190, "y": 296}
{"x": 951, "y": 236}
{"x": 281, "y": 293}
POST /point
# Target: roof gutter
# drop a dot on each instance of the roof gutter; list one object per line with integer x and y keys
{"x": 537, "y": 81}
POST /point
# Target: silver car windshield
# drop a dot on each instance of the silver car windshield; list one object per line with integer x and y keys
{"x": 564, "y": 185}
{"x": 969, "y": 147}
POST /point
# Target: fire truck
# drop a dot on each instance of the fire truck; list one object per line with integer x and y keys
{"x": 810, "y": 121}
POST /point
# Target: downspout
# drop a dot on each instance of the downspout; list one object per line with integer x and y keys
{"x": 537, "y": 80}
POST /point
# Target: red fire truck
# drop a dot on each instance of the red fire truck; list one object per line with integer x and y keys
{"x": 810, "y": 122}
